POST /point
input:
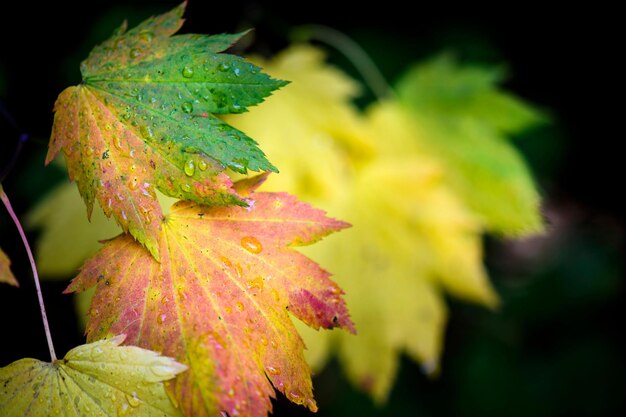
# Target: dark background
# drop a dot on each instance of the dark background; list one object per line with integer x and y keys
{"x": 555, "y": 348}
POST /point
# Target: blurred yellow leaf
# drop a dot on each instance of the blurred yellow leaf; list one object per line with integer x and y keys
{"x": 412, "y": 239}
{"x": 6, "y": 275}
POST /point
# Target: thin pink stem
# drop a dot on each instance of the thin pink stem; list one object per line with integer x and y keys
{"x": 7, "y": 204}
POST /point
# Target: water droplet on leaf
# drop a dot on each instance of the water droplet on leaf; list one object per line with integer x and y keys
{"x": 190, "y": 168}
{"x": 97, "y": 353}
{"x": 133, "y": 401}
{"x": 187, "y": 107}
{"x": 272, "y": 370}
{"x": 251, "y": 244}
{"x": 187, "y": 72}
{"x": 146, "y": 132}
{"x": 295, "y": 397}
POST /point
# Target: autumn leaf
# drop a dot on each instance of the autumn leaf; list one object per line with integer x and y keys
{"x": 65, "y": 230}
{"x": 97, "y": 379}
{"x": 6, "y": 275}
{"x": 143, "y": 119}
{"x": 220, "y": 298}
{"x": 459, "y": 115}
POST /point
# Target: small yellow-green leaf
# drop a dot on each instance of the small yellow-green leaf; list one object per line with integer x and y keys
{"x": 97, "y": 379}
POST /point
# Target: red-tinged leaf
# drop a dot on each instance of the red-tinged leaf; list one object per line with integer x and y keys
{"x": 144, "y": 119}
{"x": 220, "y": 298}
{"x": 6, "y": 275}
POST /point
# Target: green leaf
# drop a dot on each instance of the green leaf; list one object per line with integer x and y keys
{"x": 144, "y": 118}
{"x": 460, "y": 115}
{"x": 97, "y": 379}
{"x": 442, "y": 87}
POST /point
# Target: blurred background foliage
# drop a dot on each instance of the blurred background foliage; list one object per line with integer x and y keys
{"x": 555, "y": 347}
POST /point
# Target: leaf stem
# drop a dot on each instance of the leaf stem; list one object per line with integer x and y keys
{"x": 7, "y": 204}
{"x": 351, "y": 50}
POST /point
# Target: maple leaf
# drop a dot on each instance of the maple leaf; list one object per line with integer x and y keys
{"x": 6, "y": 275}
{"x": 220, "y": 298}
{"x": 143, "y": 119}
{"x": 96, "y": 379}
{"x": 428, "y": 244}
{"x": 413, "y": 229}
{"x": 458, "y": 114}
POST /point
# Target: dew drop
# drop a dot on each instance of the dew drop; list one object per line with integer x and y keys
{"x": 256, "y": 283}
{"x": 185, "y": 187}
{"x": 187, "y": 72}
{"x": 146, "y": 132}
{"x": 146, "y": 36}
{"x": 237, "y": 72}
{"x": 238, "y": 271}
{"x": 251, "y": 244}
{"x": 135, "y": 52}
{"x": 96, "y": 353}
{"x": 161, "y": 318}
{"x": 202, "y": 165}
{"x": 132, "y": 184}
{"x": 148, "y": 216}
{"x": 223, "y": 67}
{"x": 296, "y": 397}
{"x": 133, "y": 401}
{"x": 231, "y": 392}
{"x": 190, "y": 168}
{"x": 226, "y": 262}
{"x": 187, "y": 107}
{"x": 334, "y": 289}
{"x": 272, "y": 370}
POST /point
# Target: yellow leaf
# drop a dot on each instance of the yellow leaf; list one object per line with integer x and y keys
{"x": 6, "y": 275}
{"x": 97, "y": 379}
{"x": 413, "y": 237}
{"x": 309, "y": 125}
